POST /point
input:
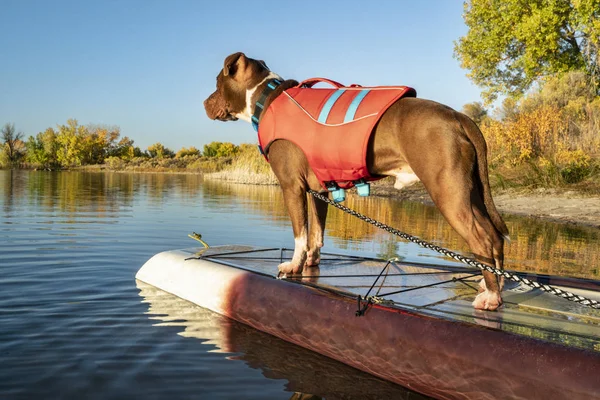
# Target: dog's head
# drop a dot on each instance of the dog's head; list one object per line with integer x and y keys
{"x": 239, "y": 76}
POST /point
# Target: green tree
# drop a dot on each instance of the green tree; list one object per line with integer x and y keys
{"x": 48, "y": 139}
{"x": 561, "y": 91}
{"x": 158, "y": 150}
{"x": 71, "y": 143}
{"x": 4, "y": 161}
{"x": 192, "y": 151}
{"x": 513, "y": 43}
{"x": 135, "y": 151}
{"x": 476, "y": 112}
{"x": 123, "y": 149}
{"x": 42, "y": 149}
{"x": 220, "y": 149}
{"x": 12, "y": 142}
{"x": 35, "y": 151}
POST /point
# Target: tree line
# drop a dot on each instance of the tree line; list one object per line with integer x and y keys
{"x": 73, "y": 145}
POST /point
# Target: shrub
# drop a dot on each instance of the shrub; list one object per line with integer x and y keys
{"x": 192, "y": 151}
{"x": 115, "y": 163}
{"x": 549, "y": 138}
{"x": 576, "y": 165}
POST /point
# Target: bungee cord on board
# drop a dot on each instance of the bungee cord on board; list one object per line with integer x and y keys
{"x": 469, "y": 261}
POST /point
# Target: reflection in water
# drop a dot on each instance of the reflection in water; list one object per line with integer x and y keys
{"x": 308, "y": 374}
{"x": 537, "y": 246}
{"x": 68, "y": 192}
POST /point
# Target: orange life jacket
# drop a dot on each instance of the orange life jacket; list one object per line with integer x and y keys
{"x": 331, "y": 126}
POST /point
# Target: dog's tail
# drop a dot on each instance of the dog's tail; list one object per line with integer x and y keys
{"x": 476, "y": 137}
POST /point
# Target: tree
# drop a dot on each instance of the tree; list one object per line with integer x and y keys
{"x": 561, "y": 91}
{"x": 71, "y": 143}
{"x": 158, "y": 150}
{"x": 123, "y": 149}
{"x": 192, "y": 151}
{"x": 220, "y": 149}
{"x": 513, "y": 43}
{"x": 99, "y": 142}
{"x": 13, "y": 143}
{"x": 136, "y": 152}
{"x": 48, "y": 139}
{"x": 35, "y": 151}
{"x": 42, "y": 149}
{"x": 475, "y": 111}
{"x": 509, "y": 110}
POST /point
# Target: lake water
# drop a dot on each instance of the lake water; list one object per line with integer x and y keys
{"x": 75, "y": 324}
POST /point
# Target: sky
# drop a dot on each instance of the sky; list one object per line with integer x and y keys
{"x": 147, "y": 66}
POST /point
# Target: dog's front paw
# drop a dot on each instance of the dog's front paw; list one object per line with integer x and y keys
{"x": 289, "y": 268}
{"x": 487, "y": 300}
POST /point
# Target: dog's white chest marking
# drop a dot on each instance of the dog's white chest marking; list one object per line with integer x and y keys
{"x": 246, "y": 115}
{"x": 404, "y": 177}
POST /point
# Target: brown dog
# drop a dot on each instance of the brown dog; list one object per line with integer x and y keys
{"x": 415, "y": 139}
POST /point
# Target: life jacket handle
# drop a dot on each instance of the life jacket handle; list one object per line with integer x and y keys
{"x": 313, "y": 81}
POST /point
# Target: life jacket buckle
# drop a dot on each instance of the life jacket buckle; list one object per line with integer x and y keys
{"x": 362, "y": 187}
{"x": 338, "y": 194}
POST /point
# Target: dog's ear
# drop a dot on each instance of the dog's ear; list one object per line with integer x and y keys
{"x": 264, "y": 64}
{"x": 233, "y": 63}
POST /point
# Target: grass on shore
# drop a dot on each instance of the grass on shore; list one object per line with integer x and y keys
{"x": 249, "y": 166}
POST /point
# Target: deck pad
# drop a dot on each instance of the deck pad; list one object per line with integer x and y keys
{"x": 526, "y": 311}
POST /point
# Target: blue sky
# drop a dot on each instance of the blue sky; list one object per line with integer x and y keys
{"x": 147, "y": 66}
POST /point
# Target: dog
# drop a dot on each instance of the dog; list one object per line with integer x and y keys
{"x": 414, "y": 139}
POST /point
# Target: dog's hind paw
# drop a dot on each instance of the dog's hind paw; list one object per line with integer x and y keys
{"x": 289, "y": 268}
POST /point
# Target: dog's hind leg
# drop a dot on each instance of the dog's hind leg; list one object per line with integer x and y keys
{"x": 318, "y": 216}
{"x": 464, "y": 209}
{"x": 487, "y": 244}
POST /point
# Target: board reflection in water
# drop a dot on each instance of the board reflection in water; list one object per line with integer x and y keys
{"x": 309, "y": 375}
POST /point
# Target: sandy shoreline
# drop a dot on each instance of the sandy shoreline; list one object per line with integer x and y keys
{"x": 558, "y": 205}
{"x": 567, "y": 207}
{"x": 548, "y": 204}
